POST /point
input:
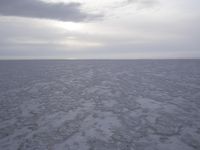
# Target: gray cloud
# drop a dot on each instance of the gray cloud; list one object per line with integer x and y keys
{"x": 40, "y": 9}
{"x": 167, "y": 29}
{"x": 143, "y": 3}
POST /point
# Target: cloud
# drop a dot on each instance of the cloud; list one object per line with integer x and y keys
{"x": 143, "y": 3}
{"x": 39, "y": 9}
{"x": 170, "y": 29}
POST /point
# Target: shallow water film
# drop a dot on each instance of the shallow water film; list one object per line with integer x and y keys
{"x": 100, "y": 105}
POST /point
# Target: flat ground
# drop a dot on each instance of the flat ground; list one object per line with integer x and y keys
{"x": 100, "y": 105}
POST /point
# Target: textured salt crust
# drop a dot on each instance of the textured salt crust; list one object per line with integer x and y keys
{"x": 100, "y": 105}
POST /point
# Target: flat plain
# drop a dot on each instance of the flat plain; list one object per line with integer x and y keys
{"x": 100, "y": 105}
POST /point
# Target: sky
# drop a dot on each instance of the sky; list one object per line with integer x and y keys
{"x": 99, "y": 29}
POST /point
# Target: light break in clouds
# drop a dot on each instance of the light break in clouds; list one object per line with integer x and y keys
{"x": 88, "y": 29}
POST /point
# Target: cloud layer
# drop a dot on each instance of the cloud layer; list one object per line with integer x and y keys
{"x": 143, "y": 3}
{"x": 40, "y": 9}
{"x": 129, "y": 29}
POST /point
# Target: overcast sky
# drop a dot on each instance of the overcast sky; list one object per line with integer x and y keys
{"x": 99, "y": 29}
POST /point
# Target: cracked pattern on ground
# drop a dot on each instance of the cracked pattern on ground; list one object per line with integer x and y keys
{"x": 100, "y": 105}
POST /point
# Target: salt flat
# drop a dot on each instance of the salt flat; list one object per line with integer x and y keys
{"x": 100, "y": 105}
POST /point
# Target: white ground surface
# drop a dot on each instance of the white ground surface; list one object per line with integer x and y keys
{"x": 100, "y": 105}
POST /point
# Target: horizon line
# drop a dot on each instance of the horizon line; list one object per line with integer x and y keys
{"x": 69, "y": 59}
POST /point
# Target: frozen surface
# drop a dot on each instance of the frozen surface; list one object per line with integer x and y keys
{"x": 100, "y": 105}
